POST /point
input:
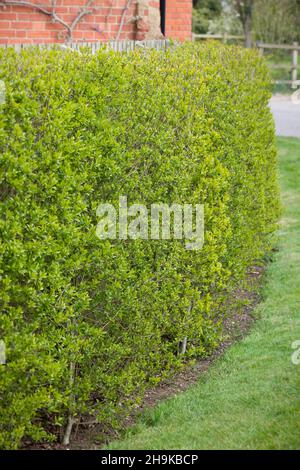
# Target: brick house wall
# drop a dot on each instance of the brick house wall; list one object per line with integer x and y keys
{"x": 106, "y": 20}
{"x": 179, "y": 19}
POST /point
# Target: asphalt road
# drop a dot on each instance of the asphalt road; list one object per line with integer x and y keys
{"x": 287, "y": 115}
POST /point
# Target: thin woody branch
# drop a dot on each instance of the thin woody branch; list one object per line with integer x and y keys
{"x": 52, "y": 13}
{"x": 126, "y": 8}
{"x": 27, "y": 4}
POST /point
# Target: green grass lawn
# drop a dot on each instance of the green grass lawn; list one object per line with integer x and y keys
{"x": 250, "y": 398}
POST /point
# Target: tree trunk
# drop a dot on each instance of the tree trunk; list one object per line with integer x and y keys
{"x": 245, "y": 11}
{"x": 248, "y": 33}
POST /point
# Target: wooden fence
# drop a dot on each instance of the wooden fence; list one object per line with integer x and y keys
{"x": 117, "y": 46}
{"x": 294, "y": 48}
{"x": 223, "y": 37}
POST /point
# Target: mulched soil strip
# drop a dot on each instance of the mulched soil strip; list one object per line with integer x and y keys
{"x": 236, "y": 326}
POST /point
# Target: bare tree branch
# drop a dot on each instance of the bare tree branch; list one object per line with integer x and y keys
{"x": 81, "y": 14}
{"x": 27, "y": 4}
{"x": 126, "y": 8}
{"x": 52, "y": 13}
{"x": 245, "y": 11}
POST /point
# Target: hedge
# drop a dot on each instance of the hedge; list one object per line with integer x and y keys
{"x": 88, "y": 324}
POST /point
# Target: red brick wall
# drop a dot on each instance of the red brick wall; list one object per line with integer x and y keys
{"x": 21, "y": 24}
{"x": 179, "y": 19}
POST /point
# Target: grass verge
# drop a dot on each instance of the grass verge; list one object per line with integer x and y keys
{"x": 250, "y": 398}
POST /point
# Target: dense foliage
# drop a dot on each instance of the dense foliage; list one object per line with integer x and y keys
{"x": 204, "y": 12}
{"x": 88, "y": 324}
{"x": 275, "y": 21}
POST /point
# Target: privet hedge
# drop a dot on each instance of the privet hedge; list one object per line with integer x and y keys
{"x": 88, "y": 324}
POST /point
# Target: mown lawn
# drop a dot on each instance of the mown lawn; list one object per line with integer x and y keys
{"x": 250, "y": 398}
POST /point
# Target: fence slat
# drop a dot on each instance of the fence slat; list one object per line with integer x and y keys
{"x": 287, "y": 47}
{"x": 295, "y": 66}
{"x": 224, "y": 37}
{"x": 117, "y": 46}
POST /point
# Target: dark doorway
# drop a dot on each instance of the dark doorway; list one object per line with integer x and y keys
{"x": 163, "y": 16}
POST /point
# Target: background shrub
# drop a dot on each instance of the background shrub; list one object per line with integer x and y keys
{"x": 88, "y": 324}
